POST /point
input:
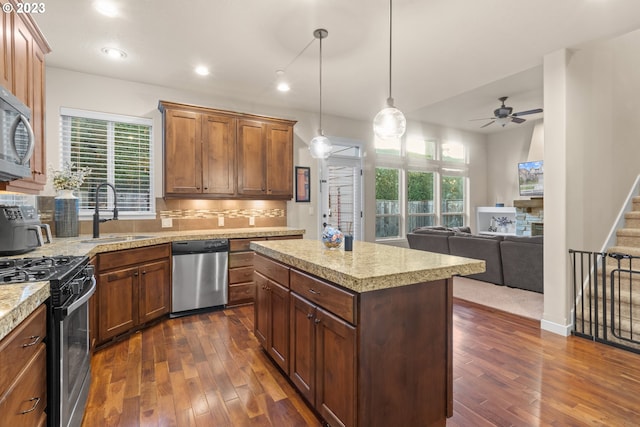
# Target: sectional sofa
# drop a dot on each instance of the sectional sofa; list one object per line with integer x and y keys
{"x": 514, "y": 261}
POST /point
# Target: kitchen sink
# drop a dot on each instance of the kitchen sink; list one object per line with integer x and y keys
{"x": 112, "y": 239}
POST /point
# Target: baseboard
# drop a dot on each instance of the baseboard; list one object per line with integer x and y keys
{"x": 556, "y": 328}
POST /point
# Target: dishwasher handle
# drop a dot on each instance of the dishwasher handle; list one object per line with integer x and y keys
{"x": 188, "y": 247}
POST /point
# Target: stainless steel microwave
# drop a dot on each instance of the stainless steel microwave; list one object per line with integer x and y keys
{"x": 16, "y": 137}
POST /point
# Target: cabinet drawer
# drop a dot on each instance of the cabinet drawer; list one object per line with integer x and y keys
{"x": 241, "y": 259}
{"x": 327, "y": 296}
{"x": 20, "y": 345}
{"x": 26, "y": 400}
{"x": 236, "y": 245}
{"x": 272, "y": 269}
{"x": 289, "y": 237}
{"x": 240, "y": 275}
{"x": 118, "y": 259}
{"x": 242, "y": 293}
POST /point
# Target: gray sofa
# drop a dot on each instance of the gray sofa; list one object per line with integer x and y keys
{"x": 514, "y": 261}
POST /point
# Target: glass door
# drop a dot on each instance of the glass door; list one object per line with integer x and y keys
{"x": 341, "y": 189}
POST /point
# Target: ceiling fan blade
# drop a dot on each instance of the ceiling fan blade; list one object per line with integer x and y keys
{"x": 484, "y": 126}
{"x": 524, "y": 113}
{"x": 517, "y": 120}
{"x": 486, "y": 118}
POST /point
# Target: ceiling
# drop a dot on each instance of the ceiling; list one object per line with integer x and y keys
{"x": 452, "y": 59}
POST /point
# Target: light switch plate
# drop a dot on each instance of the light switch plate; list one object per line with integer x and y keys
{"x": 220, "y": 221}
{"x": 252, "y": 220}
{"x": 167, "y": 222}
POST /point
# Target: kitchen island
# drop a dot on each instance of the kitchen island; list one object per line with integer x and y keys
{"x": 365, "y": 336}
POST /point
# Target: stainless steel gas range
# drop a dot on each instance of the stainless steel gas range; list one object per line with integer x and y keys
{"x": 68, "y": 359}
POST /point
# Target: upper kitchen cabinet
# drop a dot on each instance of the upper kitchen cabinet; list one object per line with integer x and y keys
{"x": 22, "y": 71}
{"x": 221, "y": 154}
{"x": 199, "y": 152}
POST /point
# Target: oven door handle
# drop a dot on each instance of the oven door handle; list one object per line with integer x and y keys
{"x": 80, "y": 301}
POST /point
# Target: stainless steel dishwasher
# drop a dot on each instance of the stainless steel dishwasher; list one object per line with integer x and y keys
{"x": 200, "y": 275}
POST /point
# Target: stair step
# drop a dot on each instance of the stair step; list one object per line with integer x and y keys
{"x": 624, "y": 320}
{"x": 621, "y": 249}
{"x": 628, "y": 237}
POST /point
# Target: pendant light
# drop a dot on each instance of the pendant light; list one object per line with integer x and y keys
{"x": 320, "y": 146}
{"x": 389, "y": 122}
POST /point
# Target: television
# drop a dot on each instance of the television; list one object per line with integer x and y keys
{"x": 531, "y": 178}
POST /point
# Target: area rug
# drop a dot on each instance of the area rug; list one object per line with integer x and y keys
{"x": 517, "y": 301}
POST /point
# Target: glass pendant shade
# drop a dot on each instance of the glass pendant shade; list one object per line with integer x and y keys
{"x": 389, "y": 123}
{"x": 320, "y": 147}
{"x": 502, "y": 121}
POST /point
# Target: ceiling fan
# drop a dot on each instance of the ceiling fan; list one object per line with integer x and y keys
{"x": 504, "y": 115}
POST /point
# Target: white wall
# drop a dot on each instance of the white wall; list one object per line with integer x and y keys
{"x": 504, "y": 151}
{"x": 84, "y": 91}
{"x": 592, "y": 147}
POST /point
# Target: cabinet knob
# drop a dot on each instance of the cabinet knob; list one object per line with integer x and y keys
{"x": 316, "y": 321}
{"x": 309, "y": 315}
{"x": 135, "y": 274}
{"x": 144, "y": 272}
{"x": 313, "y": 291}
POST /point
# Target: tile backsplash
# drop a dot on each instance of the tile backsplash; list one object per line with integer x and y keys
{"x": 188, "y": 214}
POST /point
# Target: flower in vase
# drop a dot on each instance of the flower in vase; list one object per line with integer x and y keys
{"x": 69, "y": 179}
{"x": 502, "y": 221}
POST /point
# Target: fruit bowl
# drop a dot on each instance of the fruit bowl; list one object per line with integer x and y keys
{"x": 332, "y": 237}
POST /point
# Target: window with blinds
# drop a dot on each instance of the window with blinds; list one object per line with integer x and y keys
{"x": 117, "y": 148}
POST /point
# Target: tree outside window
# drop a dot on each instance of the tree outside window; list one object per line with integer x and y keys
{"x": 387, "y": 202}
{"x": 420, "y": 196}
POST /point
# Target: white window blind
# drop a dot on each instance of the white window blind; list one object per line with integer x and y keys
{"x": 117, "y": 148}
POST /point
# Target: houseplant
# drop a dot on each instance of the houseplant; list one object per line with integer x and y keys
{"x": 67, "y": 206}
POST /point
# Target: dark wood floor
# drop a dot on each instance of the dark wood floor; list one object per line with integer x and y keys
{"x": 208, "y": 370}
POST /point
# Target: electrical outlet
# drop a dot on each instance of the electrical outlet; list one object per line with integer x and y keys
{"x": 220, "y": 221}
{"x": 252, "y": 220}
{"x": 167, "y": 222}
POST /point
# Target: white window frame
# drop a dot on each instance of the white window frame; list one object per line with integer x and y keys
{"x": 405, "y": 163}
{"x": 86, "y": 214}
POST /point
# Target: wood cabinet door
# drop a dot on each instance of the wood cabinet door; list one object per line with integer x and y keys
{"x": 117, "y": 294}
{"x": 278, "y": 338}
{"x": 6, "y": 36}
{"x": 182, "y": 152}
{"x": 219, "y": 154}
{"x": 252, "y": 157}
{"x": 302, "y": 365}
{"x": 154, "y": 290}
{"x": 21, "y": 64}
{"x": 335, "y": 369}
{"x": 261, "y": 309}
{"x": 39, "y": 157}
{"x": 280, "y": 160}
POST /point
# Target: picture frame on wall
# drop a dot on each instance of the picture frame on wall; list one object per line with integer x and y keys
{"x": 303, "y": 184}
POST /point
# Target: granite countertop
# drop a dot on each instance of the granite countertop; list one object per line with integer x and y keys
{"x": 86, "y": 245}
{"x": 370, "y": 266}
{"x": 19, "y": 300}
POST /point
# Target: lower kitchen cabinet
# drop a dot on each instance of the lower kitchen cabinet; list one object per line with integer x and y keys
{"x": 323, "y": 351}
{"x": 134, "y": 287}
{"x": 272, "y": 310}
{"x": 242, "y": 287}
{"x": 23, "y": 373}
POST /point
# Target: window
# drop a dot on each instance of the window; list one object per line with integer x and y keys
{"x": 419, "y": 183}
{"x": 118, "y": 150}
{"x": 387, "y": 202}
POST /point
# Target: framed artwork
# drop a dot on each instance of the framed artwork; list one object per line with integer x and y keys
{"x": 303, "y": 184}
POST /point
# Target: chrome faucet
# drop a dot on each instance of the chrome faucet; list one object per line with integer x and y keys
{"x": 96, "y": 214}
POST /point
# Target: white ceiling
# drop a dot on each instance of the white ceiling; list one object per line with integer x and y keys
{"x": 452, "y": 59}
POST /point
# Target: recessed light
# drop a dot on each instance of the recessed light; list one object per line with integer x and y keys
{"x": 114, "y": 53}
{"x": 202, "y": 70}
{"x": 106, "y": 8}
